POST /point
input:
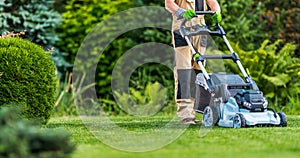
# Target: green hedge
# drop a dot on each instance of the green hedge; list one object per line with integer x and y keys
{"x": 28, "y": 77}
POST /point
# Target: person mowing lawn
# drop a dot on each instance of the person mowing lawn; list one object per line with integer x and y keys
{"x": 186, "y": 68}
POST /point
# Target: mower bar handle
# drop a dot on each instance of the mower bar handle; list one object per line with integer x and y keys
{"x": 201, "y": 30}
{"x": 205, "y": 12}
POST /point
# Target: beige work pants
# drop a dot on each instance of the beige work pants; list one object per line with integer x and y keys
{"x": 185, "y": 72}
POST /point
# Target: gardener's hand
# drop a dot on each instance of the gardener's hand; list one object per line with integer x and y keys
{"x": 217, "y": 17}
{"x": 187, "y": 14}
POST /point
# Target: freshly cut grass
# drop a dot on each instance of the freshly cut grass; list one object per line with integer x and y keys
{"x": 255, "y": 142}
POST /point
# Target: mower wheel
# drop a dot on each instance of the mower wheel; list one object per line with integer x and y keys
{"x": 239, "y": 121}
{"x": 210, "y": 117}
{"x": 283, "y": 120}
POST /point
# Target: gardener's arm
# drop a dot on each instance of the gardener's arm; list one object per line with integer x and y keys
{"x": 214, "y": 5}
{"x": 171, "y": 6}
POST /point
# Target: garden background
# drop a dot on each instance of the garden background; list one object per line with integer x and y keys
{"x": 265, "y": 34}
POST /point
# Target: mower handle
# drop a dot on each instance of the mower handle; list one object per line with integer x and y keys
{"x": 219, "y": 31}
{"x": 201, "y": 30}
{"x": 205, "y": 12}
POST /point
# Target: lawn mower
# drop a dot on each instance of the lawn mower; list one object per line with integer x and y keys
{"x": 226, "y": 99}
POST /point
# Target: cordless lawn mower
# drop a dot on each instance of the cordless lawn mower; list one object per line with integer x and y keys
{"x": 225, "y": 99}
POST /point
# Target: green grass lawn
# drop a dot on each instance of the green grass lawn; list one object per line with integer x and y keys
{"x": 255, "y": 142}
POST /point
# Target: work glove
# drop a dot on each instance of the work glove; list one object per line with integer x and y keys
{"x": 217, "y": 17}
{"x": 187, "y": 14}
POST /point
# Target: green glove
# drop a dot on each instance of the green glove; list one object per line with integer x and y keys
{"x": 217, "y": 18}
{"x": 189, "y": 14}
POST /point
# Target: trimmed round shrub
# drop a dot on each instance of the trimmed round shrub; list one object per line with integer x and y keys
{"x": 27, "y": 77}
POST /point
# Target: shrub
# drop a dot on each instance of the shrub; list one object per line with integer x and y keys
{"x": 275, "y": 71}
{"x": 39, "y": 20}
{"x": 145, "y": 102}
{"x": 23, "y": 139}
{"x": 28, "y": 77}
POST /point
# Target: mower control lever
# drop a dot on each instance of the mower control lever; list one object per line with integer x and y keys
{"x": 200, "y": 30}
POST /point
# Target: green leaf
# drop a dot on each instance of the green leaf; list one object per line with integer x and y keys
{"x": 279, "y": 80}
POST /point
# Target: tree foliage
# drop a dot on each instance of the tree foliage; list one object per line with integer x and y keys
{"x": 34, "y": 16}
{"x": 248, "y": 23}
{"x": 93, "y": 12}
{"x": 80, "y": 17}
{"x": 281, "y": 21}
{"x": 241, "y": 21}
